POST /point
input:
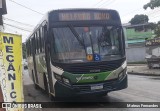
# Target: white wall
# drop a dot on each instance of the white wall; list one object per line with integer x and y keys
{"x": 135, "y": 54}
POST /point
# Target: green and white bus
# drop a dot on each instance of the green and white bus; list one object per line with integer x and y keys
{"x": 78, "y": 52}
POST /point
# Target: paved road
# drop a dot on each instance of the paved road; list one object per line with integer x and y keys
{"x": 140, "y": 89}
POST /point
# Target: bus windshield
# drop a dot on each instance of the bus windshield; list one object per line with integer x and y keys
{"x": 75, "y": 44}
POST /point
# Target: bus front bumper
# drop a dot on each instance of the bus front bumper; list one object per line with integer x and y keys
{"x": 62, "y": 90}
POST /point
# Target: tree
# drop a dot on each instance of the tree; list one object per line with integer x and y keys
{"x": 152, "y": 4}
{"x": 139, "y": 19}
{"x": 157, "y": 30}
{"x": 152, "y": 26}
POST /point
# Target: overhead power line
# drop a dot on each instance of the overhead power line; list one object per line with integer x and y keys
{"x": 130, "y": 12}
{"x": 18, "y": 22}
{"x": 97, "y": 3}
{"x": 17, "y": 27}
{"x": 107, "y": 3}
{"x": 26, "y": 7}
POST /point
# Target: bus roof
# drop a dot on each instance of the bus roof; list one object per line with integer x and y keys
{"x": 82, "y": 9}
{"x": 55, "y": 13}
{"x": 84, "y": 14}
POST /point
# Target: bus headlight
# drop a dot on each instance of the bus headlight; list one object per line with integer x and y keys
{"x": 121, "y": 75}
{"x": 62, "y": 79}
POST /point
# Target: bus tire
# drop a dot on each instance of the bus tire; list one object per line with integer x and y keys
{"x": 35, "y": 85}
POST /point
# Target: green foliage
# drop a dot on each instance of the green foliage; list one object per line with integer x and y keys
{"x": 157, "y": 30}
{"x": 24, "y": 50}
{"x": 152, "y": 4}
{"x": 139, "y": 19}
{"x": 152, "y": 26}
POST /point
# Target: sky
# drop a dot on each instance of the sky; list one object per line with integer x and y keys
{"x": 126, "y": 8}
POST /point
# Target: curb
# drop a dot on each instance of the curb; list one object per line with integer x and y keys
{"x": 142, "y": 74}
{"x": 136, "y": 64}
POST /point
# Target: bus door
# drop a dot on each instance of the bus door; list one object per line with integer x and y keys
{"x": 35, "y": 77}
{"x": 47, "y": 58}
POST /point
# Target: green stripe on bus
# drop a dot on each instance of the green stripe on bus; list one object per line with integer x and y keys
{"x": 86, "y": 78}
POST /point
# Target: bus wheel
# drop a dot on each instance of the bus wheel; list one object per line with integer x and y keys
{"x": 47, "y": 89}
{"x": 35, "y": 85}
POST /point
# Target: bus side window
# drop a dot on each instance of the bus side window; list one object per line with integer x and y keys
{"x": 44, "y": 33}
{"x": 42, "y": 39}
{"x": 29, "y": 44}
{"x": 27, "y": 48}
{"x": 32, "y": 45}
{"x": 38, "y": 45}
{"x": 35, "y": 44}
{"x": 36, "y": 41}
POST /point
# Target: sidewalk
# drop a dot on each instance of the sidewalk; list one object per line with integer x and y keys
{"x": 142, "y": 69}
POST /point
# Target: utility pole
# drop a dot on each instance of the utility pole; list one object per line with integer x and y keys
{"x": 3, "y": 10}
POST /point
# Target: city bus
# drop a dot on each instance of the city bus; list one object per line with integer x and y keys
{"x": 78, "y": 52}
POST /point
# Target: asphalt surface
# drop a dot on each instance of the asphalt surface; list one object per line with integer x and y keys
{"x": 140, "y": 89}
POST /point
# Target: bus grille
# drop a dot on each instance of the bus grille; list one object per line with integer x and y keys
{"x": 83, "y": 68}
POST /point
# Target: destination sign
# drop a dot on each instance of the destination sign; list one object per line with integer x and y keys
{"x": 73, "y": 16}
{"x": 153, "y": 42}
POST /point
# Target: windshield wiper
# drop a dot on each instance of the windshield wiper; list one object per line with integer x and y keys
{"x": 76, "y": 35}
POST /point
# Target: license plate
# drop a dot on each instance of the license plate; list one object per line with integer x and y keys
{"x": 96, "y": 87}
